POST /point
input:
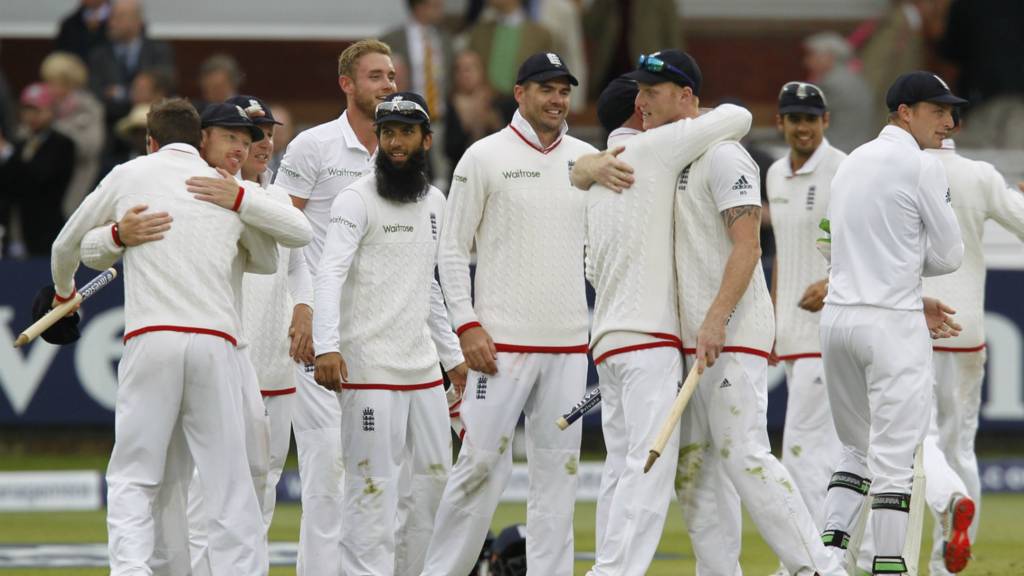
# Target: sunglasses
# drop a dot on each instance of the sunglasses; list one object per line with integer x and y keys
{"x": 404, "y": 107}
{"x": 652, "y": 63}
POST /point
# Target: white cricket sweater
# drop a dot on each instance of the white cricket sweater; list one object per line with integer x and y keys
{"x": 373, "y": 291}
{"x": 318, "y": 164}
{"x": 723, "y": 178}
{"x": 798, "y": 203}
{"x": 979, "y": 193}
{"x": 891, "y": 223}
{"x": 512, "y": 197}
{"x": 184, "y": 282}
{"x": 629, "y": 234}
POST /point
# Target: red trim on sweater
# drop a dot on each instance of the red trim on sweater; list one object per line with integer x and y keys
{"x": 462, "y": 435}
{"x": 60, "y": 299}
{"x": 953, "y": 349}
{"x": 635, "y": 347}
{"x": 734, "y": 349}
{"x": 581, "y": 349}
{"x": 466, "y": 326}
{"x": 534, "y": 146}
{"x": 188, "y": 329}
{"x": 423, "y": 386}
{"x": 788, "y": 357}
{"x": 454, "y": 414}
{"x": 456, "y": 405}
{"x": 667, "y": 336}
{"x": 116, "y": 235}
{"x": 238, "y": 199}
{"x": 283, "y": 392}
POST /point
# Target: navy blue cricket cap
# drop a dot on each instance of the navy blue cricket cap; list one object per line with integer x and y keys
{"x": 616, "y": 103}
{"x": 255, "y": 109}
{"x": 668, "y": 66}
{"x": 920, "y": 86}
{"x": 802, "y": 98}
{"x": 544, "y": 66}
{"x": 229, "y": 116}
{"x": 405, "y": 107}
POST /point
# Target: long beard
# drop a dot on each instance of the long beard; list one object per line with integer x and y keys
{"x": 403, "y": 184}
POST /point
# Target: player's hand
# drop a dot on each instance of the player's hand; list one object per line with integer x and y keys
{"x": 773, "y": 357}
{"x": 710, "y": 341}
{"x": 136, "y": 228}
{"x": 301, "y": 334}
{"x": 939, "y": 319}
{"x": 813, "y": 299}
{"x": 220, "y": 191}
{"x": 330, "y": 371}
{"x": 1021, "y": 185}
{"x": 457, "y": 376}
{"x": 479, "y": 350}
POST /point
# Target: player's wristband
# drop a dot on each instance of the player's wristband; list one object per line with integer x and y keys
{"x": 115, "y": 233}
{"x": 60, "y": 299}
{"x": 238, "y": 198}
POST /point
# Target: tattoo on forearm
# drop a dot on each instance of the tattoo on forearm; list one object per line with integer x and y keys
{"x": 731, "y": 215}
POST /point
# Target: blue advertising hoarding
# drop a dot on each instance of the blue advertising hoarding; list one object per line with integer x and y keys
{"x": 41, "y": 384}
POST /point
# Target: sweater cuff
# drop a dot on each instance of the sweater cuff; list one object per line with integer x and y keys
{"x": 238, "y": 199}
{"x": 466, "y": 326}
{"x": 449, "y": 362}
{"x": 116, "y": 236}
{"x": 62, "y": 299}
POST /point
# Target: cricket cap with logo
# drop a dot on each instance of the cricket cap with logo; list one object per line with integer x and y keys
{"x": 920, "y": 86}
{"x": 255, "y": 109}
{"x": 404, "y": 107}
{"x": 668, "y": 66}
{"x": 229, "y": 116}
{"x": 802, "y": 98}
{"x": 542, "y": 67}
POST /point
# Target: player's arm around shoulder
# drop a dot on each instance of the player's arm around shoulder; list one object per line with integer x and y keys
{"x": 944, "y": 247}
{"x": 683, "y": 141}
{"x": 283, "y": 221}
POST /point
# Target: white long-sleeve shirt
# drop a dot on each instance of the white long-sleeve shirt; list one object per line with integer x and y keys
{"x": 798, "y": 203}
{"x": 629, "y": 234}
{"x": 375, "y": 295}
{"x": 891, "y": 223}
{"x": 186, "y": 281}
{"x": 979, "y": 193}
{"x": 512, "y": 197}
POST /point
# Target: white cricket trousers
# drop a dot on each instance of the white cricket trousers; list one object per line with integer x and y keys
{"x": 380, "y": 429}
{"x": 543, "y": 386}
{"x": 637, "y": 391}
{"x": 184, "y": 383}
{"x": 279, "y": 416}
{"x": 810, "y": 446}
{"x": 879, "y": 377}
{"x": 257, "y": 452}
{"x": 316, "y": 423}
{"x": 725, "y": 457}
{"x": 950, "y": 464}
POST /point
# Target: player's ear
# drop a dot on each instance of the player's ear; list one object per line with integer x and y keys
{"x": 428, "y": 140}
{"x": 778, "y": 122}
{"x": 824, "y": 121}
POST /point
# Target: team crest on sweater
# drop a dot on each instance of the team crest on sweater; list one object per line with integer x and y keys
{"x": 368, "y": 420}
{"x": 481, "y": 388}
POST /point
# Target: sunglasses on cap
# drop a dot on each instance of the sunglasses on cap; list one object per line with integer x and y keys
{"x": 404, "y": 107}
{"x": 652, "y": 63}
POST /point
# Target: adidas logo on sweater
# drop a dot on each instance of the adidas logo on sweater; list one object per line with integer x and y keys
{"x": 742, "y": 185}
{"x": 725, "y": 383}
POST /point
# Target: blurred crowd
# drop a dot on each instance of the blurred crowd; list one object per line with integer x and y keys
{"x": 86, "y": 112}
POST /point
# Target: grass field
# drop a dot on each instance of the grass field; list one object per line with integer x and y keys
{"x": 997, "y": 554}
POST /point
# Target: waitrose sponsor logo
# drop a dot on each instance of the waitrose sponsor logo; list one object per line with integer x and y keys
{"x": 515, "y": 174}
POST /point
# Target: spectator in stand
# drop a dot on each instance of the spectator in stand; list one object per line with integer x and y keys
{"x": 985, "y": 38}
{"x": 220, "y": 76}
{"x": 84, "y": 29}
{"x": 34, "y": 174}
{"x": 506, "y": 41}
{"x": 79, "y": 116}
{"x": 8, "y": 111}
{"x": 473, "y": 110}
{"x": 622, "y": 30}
{"x": 426, "y": 50}
{"x": 113, "y": 66}
{"x": 151, "y": 86}
{"x": 283, "y": 134}
{"x": 566, "y": 17}
{"x": 851, "y": 105}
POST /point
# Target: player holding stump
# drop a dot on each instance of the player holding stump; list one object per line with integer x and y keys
{"x": 373, "y": 297}
{"x": 524, "y": 334}
{"x": 891, "y": 223}
{"x": 798, "y": 193}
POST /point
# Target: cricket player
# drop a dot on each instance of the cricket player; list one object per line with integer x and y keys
{"x": 635, "y": 336}
{"x": 377, "y": 272}
{"x": 318, "y": 164}
{"x": 953, "y": 487}
{"x": 179, "y": 372}
{"x": 891, "y": 222}
{"x": 523, "y": 327}
{"x": 798, "y": 193}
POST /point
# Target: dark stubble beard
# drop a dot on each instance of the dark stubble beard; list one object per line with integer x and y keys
{"x": 403, "y": 184}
